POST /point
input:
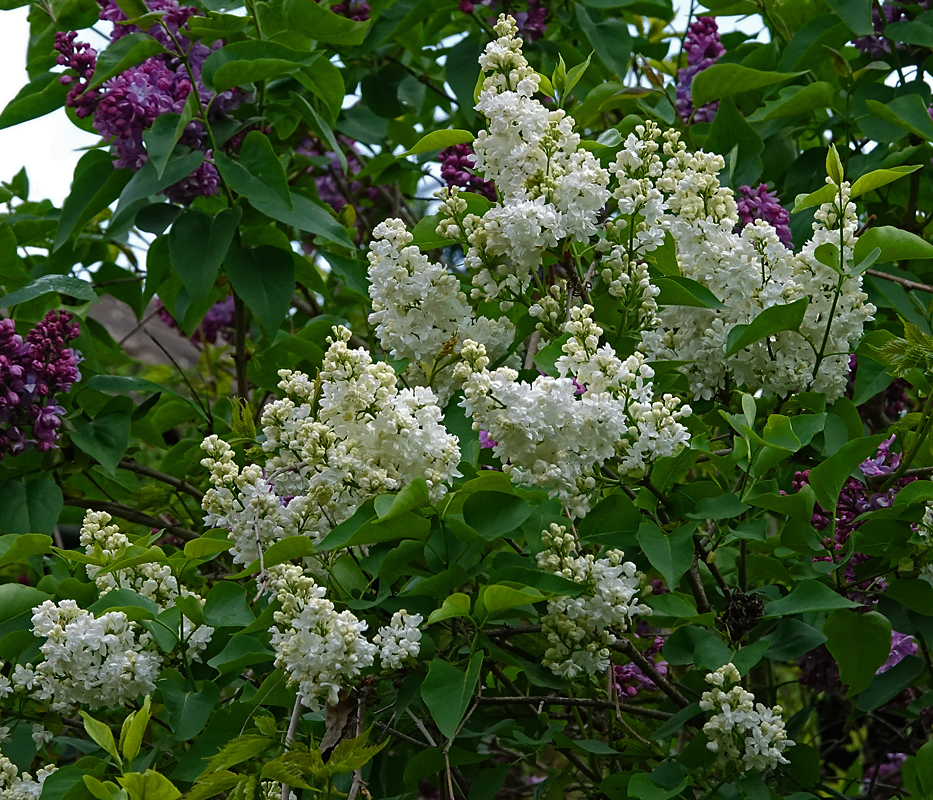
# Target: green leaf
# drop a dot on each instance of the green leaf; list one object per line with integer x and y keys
{"x": 63, "y": 284}
{"x": 860, "y": 643}
{"x": 856, "y": 14}
{"x": 15, "y": 599}
{"x": 725, "y": 80}
{"x": 146, "y": 182}
{"x": 253, "y": 60}
{"x": 494, "y": 514}
{"x": 96, "y": 185}
{"x": 134, "y": 729}
{"x": 732, "y": 137}
{"x": 828, "y": 477}
{"x": 670, "y": 554}
{"x": 769, "y": 322}
{"x": 17, "y": 546}
{"x": 546, "y": 358}
{"x": 889, "y": 684}
{"x": 895, "y": 245}
{"x": 447, "y": 691}
{"x": 165, "y": 132}
{"x": 679, "y": 291}
{"x": 412, "y": 497}
{"x": 119, "y": 56}
{"x": 915, "y": 31}
{"x": 29, "y": 506}
{"x": 574, "y": 74}
{"x": 794, "y": 100}
{"x": 148, "y": 785}
{"x": 265, "y": 278}
{"x": 807, "y": 596}
{"x": 42, "y": 95}
{"x": 241, "y": 651}
{"x": 908, "y": 112}
{"x": 259, "y": 159}
{"x": 197, "y": 246}
{"x": 834, "y": 165}
{"x": 188, "y": 712}
{"x": 226, "y": 606}
{"x": 438, "y": 140}
{"x": 319, "y": 126}
{"x": 107, "y": 436}
{"x": 495, "y": 599}
{"x": 880, "y": 177}
{"x": 914, "y": 593}
{"x": 610, "y": 39}
{"x": 307, "y": 16}
{"x": 304, "y": 214}
{"x": 456, "y": 605}
{"x": 242, "y": 748}
{"x": 825, "y": 194}
{"x": 792, "y": 639}
{"x": 211, "y": 785}
{"x": 102, "y": 735}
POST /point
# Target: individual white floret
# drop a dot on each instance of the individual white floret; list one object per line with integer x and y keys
{"x": 21, "y": 786}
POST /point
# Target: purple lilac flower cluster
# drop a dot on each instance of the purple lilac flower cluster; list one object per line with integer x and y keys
{"x": 876, "y": 45}
{"x": 357, "y": 10}
{"x": 703, "y": 48}
{"x": 855, "y": 499}
{"x": 755, "y": 204}
{"x": 882, "y": 780}
{"x": 532, "y": 23}
{"x": 219, "y": 322}
{"x": 629, "y": 678}
{"x": 130, "y": 102}
{"x": 457, "y": 170}
{"x": 32, "y": 372}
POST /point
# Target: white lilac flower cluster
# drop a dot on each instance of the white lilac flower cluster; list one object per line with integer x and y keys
{"x": 551, "y": 436}
{"x": 331, "y": 443}
{"x": 550, "y": 188}
{"x": 155, "y": 582}
{"x": 420, "y": 312}
{"x": 399, "y": 641}
{"x": 320, "y": 650}
{"x": 21, "y": 786}
{"x": 741, "y": 731}
{"x": 580, "y": 630}
{"x": 748, "y": 271}
{"x": 92, "y": 661}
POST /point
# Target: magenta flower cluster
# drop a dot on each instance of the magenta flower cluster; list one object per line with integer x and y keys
{"x": 457, "y": 170}
{"x": 703, "y": 48}
{"x": 762, "y": 204}
{"x": 128, "y": 104}
{"x": 531, "y": 23}
{"x": 33, "y": 371}
{"x": 629, "y": 678}
{"x": 218, "y": 323}
{"x": 357, "y": 10}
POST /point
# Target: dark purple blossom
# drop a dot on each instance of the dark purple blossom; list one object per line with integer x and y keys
{"x": 703, "y": 48}
{"x": 357, "y": 10}
{"x": 882, "y": 780}
{"x": 531, "y": 23}
{"x": 755, "y": 204}
{"x": 33, "y": 371}
{"x": 457, "y": 170}
{"x": 485, "y": 440}
{"x": 218, "y": 323}
{"x": 902, "y": 646}
{"x": 629, "y": 678}
{"x": 128, "y": 104}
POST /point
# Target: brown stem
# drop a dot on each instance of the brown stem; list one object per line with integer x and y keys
{"x": 127, "y": 513}
{"x": 696, "y": 586}
{"x": 583, "y": 702}
{"x": 181, "y": 485}
{"x": 647, "y": 667}
{"x": 907, "y": 284}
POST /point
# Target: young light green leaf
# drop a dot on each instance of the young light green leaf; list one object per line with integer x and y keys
{"x": 456, "y": 605}
{"x": 895, "y": 245}
{"x": 447, "y": 691}
{"x": 438, "y": 140}
{"x": 880, "y": 177}
{"x": 101, "y": 735}
{"x": 726, "y": 80}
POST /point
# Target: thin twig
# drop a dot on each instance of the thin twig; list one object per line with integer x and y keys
{"x": 907, "y": 284}
{"x": 584, "y": 702}
{"x": 127, "y": 513}
{"x": 647, "y": 667}
{"x": 181, "y": 485}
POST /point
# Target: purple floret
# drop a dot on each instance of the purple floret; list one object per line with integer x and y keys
{"x": 457, "y": 170}
{"x": 32, "y": 372}
{"x": 703, "y": 48}
{"x": 755, "y": 204}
